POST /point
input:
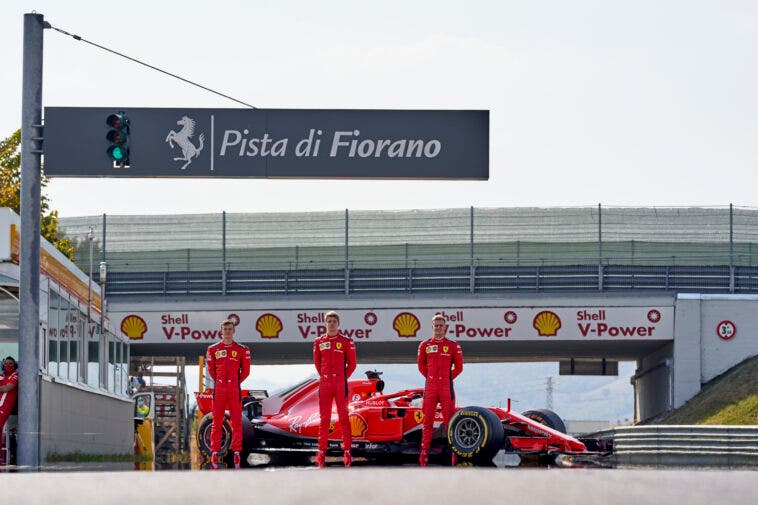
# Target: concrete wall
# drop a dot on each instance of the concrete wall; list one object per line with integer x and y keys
{"x": 77, "y": 420}
{"x": 699, "y": 353}
{"x": 652, "y": 383}
{"x": 687, "y": 352}
{"x": 719, "y": 355}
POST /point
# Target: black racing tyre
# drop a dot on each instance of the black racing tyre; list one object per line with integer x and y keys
{"x": 204, "y": 435}
{"x": 548, "y": 418}
{"x": 248, "y": 433}
{"x": 475, "y": 434}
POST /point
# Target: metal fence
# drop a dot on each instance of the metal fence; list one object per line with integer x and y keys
{"x": 473, "y": 250}
{"x": 463, "y": 279}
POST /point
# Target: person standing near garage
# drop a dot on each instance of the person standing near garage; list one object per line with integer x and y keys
{"x": 228, "y": 365}
{"x": 8, "y": 390}
{"x": 440, "y": 361}
{"x": 334, "y": 358}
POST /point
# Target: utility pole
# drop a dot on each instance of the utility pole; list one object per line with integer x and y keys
{"x": 102, "y": 337}
{"x": 90, "y": 237}
{"x": 28, "y": 320}
{"x": 549, "y": 393}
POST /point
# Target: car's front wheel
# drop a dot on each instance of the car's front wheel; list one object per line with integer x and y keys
{"x": 548, "y": 418}
{"x": 475, "y": 434}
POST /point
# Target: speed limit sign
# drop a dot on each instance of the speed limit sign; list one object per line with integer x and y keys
{"x": 726, "y": 330}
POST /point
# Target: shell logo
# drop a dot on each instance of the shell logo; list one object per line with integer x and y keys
{"x": 406, "y": 325}
{"x": 547, "y": 323}
{"x": 269, "y": 326}
{"x": 358, "y": 425}
{"x": 133, "y": 327}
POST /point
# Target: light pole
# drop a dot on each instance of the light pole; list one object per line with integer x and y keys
{"x": 90, "y": 237}
{"x": 84, "y": 339}
{"x": 103, "y": 340}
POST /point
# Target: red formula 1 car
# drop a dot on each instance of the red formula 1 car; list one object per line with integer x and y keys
{"x": 283, "y": 428}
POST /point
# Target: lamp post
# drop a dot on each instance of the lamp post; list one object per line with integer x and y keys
{"x": 90, "y": 237}
{"x": 84, "y": 339}
{"x": 103, "y": 341}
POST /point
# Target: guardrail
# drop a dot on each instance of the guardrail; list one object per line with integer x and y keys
{"x": 460, "y": 279}
{"x": 684, "y": 445}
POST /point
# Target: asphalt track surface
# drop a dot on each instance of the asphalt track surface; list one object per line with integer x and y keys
{"x": 368, "y": 486}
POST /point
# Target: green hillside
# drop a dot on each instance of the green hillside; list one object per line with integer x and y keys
{"x": 730, "y": 398}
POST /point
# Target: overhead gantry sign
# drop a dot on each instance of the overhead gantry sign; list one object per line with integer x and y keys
{"x": 267, "y": 143}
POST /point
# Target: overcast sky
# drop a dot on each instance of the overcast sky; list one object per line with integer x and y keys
{"x": 624, "y": 103}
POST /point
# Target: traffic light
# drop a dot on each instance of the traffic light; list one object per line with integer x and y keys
{"x": 118, "y": 136}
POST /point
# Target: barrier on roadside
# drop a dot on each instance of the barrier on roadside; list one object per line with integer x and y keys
{"x": 683, "y": 445}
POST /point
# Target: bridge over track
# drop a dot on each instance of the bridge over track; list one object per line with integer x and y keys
{"x": 677, "y": 285}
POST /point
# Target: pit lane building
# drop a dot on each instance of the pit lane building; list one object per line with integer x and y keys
{"x": 673, "y": 289}
{"x": 82, "y": 370}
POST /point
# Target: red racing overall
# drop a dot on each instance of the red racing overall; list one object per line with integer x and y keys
{"x": 440, "y": 361}
{"x": 8, "y": 398}
{"x": 228, "y": 366}
{"x": 334, "y": 357}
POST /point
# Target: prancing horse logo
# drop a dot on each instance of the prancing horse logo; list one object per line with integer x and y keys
{"x": 182, "y": 139}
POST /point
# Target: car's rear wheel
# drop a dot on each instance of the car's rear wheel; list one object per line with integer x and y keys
{"x": 204, "y": 435}
{"x": 475, "y": 434}
{"x": 548, "y": 418}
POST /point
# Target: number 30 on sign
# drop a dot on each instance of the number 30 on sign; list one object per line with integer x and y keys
{"x": 726, "y": 330}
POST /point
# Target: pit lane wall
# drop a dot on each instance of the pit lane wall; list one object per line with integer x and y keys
{"x": 75, "y": 420}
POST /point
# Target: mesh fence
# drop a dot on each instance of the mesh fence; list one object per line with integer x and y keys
{"x": 419, "y": 238}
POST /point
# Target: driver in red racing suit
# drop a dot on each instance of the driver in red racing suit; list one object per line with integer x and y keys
{"x": 440, "y": 361}
{"x": 228, "y": 365}
{"x": 334, "y": 358}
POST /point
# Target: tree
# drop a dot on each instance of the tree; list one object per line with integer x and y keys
{"x": 10, "y": 193}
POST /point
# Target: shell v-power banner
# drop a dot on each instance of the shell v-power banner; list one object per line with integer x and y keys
{"x": 388, "y": 325}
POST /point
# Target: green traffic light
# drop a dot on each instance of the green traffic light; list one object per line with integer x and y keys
{"x": 118, "y": 136}
{"x": 118, "y": 153}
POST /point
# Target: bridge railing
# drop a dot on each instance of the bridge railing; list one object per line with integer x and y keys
{"x": 461, "y": 275}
